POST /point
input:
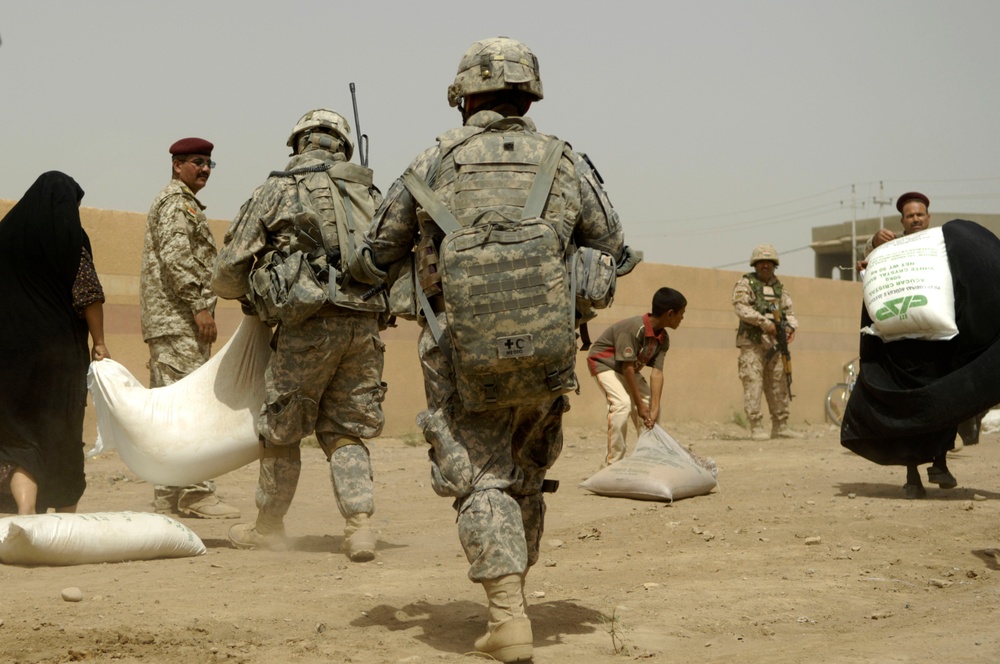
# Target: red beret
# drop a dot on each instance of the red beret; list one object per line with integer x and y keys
{"x": 192, "y": 146}
{"x": 912, "y": 196}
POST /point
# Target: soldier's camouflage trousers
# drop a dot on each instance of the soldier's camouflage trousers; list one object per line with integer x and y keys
{"x": 493, "y": 466}
{"x": 767, "y": 377}
{"x": 325, "y": 375}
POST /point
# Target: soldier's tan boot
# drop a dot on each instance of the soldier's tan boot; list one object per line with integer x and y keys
{"x": 781, "y": 430}
{"x": 758, "y": 433}
{"x": 359, "y": 539}
{"x": 259, "y": 535}
{"x": 509, "y": 637}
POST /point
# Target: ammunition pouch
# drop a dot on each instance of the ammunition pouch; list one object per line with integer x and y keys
{"x": 594, "y": 276}
{"x": 284, "y": 289}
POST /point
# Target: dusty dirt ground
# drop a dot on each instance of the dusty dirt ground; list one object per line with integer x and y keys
{"x": 734, "y": 576}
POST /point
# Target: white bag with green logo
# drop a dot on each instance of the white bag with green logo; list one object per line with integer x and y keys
{"x": 908, "y": 289}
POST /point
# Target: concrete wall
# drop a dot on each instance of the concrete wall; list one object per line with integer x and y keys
{"x": 701, "y": 380}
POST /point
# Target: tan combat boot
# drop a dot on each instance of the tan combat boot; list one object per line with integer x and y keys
{"x": 781, "y": 430}
{"x": 359, "y": 539}
{"x": 259, "y": 535}
{"x": 758, "y": 433}
{"x": 509, "y": 637}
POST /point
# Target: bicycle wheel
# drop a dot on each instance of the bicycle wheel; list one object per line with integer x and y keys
{"x": 836, "y": 402}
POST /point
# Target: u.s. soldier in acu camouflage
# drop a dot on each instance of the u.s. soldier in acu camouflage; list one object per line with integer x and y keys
{"x": 325, "y": 374}
{"x": 176, "y": 300}
{"x": 493, "y": 464}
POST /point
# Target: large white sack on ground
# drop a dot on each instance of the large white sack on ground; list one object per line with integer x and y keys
{"x": 198, "y": 428}
{"x": 659, "y": 469}
{"x": 101, "y": 537}
{"x": 991, "y": 422}
{"x": 908, "y": 289}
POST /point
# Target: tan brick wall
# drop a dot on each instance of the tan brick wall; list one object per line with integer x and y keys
{"x": 701, "y": 381}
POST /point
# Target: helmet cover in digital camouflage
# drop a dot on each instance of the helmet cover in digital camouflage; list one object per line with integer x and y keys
{"x": 322, "y": 118}
{"x": 495, "y": 64}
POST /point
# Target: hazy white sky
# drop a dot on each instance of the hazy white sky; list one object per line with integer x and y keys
{"x": 716, "y": 125}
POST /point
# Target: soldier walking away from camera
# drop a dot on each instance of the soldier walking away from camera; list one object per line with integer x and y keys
{"x": 763, "y": 306}
{"x": 483, "y": 178}
{"x": 176, "y": 301}
{"x": 288, "y": 243}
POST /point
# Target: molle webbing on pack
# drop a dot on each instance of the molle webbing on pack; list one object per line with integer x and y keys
{"x": 507, "y": 296}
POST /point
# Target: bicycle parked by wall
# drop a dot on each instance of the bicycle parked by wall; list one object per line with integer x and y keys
{"x": 836, "y": 398}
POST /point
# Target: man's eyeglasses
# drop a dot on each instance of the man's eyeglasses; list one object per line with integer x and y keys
{"x": 202, "y": 163}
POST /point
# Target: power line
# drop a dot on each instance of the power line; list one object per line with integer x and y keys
{"x": 780, "y": 253}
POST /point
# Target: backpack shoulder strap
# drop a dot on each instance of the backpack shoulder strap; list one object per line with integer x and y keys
{"x": 431, "y": 202}
{"x": 542, "y": 184}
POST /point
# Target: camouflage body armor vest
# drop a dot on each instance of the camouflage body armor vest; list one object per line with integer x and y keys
{"x": 764, "y": 304}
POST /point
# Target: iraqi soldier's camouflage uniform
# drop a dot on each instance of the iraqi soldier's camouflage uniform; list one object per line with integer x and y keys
{"x": 325, "y": 374}
{"x": 493, "y": 464}
{"x": 174, "y": 285}
{"x": 757, "y": 373}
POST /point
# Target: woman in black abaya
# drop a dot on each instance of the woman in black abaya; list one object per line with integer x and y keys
{"x": 51, "y": 300}
{"x": 912, "y": 394}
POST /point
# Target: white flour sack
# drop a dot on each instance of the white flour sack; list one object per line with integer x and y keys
{"x": 101, "y": 537}
{"x": 659, "y": 469}
{"x": 198, "y": 428}
{"x": 908, "y": 289}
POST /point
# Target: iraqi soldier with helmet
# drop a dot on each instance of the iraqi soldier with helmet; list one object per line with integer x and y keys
{"x": 288, "y": 242}
{"x": 762, "y": 303}
{"x": 493, "y": 463}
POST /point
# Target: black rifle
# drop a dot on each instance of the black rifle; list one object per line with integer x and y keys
{"x": 781, "y": 328}
{"x": 362, "y": 138}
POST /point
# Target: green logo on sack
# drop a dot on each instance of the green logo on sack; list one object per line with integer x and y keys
{"x": 900, "y": 306}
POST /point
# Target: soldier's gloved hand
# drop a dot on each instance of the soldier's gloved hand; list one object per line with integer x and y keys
{"x": 630, "y": 258}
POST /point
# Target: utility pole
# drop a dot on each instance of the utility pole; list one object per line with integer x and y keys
{"x": 880, "y": 201}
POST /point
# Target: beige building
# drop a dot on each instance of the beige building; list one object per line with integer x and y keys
{"x": 832, "y": 244}
{"x": 701, "y": 380}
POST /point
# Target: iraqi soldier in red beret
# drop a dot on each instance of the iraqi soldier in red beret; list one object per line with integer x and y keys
{"x": 176, "y": 301}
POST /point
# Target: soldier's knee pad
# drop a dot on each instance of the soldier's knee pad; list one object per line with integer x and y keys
{"x": 293, "y": 452}
{"x": 334, "y": 443}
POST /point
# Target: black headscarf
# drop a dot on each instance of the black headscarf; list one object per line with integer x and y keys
{"x": 43, "y": 341}
{"x": 912, "y": 394}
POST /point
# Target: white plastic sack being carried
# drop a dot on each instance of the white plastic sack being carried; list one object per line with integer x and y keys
{"x": 198, "y": 428}
{"x": 659, "y": 469}
{"x": 908, "y": 289}
{"x": 102, "y": 537}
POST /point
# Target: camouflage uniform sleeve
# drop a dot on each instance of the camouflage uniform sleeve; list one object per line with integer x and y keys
{"x": 394, "y": 229}
{"x": 787, "y": 309}
{"x": 743, "y": 301}
{"x": 182, "y": 272}
{"x": 599, "y": 226}
{"x": 245, "y": 239}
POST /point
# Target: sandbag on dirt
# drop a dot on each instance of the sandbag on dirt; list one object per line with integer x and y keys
{"x": 659, "y": 469}
{"x": 101, "y": 537}
{"x": 198, "y": 428}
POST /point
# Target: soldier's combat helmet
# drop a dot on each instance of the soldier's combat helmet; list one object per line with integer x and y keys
{"x": 328, "y": 121}
{"x": 494, "y": 64}
{"x": 764, "y": 252}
